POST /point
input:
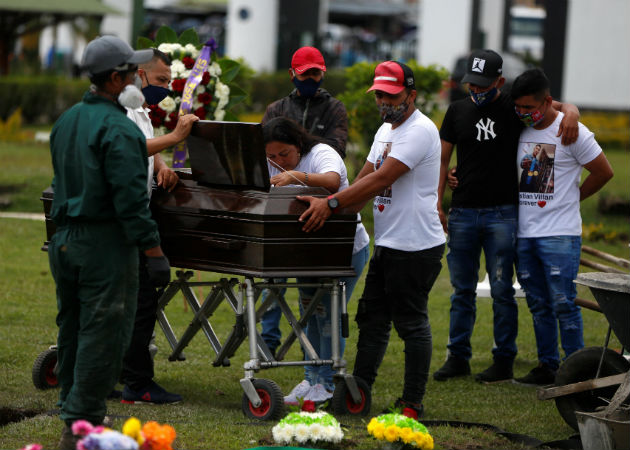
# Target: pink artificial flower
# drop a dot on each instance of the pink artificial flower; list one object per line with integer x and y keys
{"x": 82, "y": 428}
{"x": 32, "y": 447}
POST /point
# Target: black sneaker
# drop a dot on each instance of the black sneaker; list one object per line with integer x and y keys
{"x": 406, "y": 409}
{"x": 453, "y": 367}
{"x": 153, "y": 393}
{"x": 541, "y": 375}
{"x": 498, "y": 371}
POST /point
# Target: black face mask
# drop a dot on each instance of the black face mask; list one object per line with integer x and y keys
{"x": 308, "y": 88}
{"x": 154, "y": 94}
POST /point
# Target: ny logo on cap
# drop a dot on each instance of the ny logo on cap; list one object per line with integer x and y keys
{"x": 478, "y": 65}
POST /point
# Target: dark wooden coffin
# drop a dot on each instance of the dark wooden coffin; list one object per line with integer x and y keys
{"x": 225, "y": 217}
{"x": 250, "y": 232}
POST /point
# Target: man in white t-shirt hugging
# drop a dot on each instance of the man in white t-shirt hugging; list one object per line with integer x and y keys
{"x": 549, "y": 222}
{"x": 401, "y": 174}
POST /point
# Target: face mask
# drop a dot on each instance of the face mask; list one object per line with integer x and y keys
{"x": 154, "y": 94}
{"x": 483, "y": 98}
{"x": 131, "y": 97}
{"x": 393, "y": 114}
{"x": 530, "y": 119}
{"x": 308, "y": 87}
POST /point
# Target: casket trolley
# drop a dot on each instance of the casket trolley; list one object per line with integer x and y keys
{"x": 224, "y": 217}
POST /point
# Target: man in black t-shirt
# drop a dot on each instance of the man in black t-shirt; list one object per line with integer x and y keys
{"x": 483, "y": 214}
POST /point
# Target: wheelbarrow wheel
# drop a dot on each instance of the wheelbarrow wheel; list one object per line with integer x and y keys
{"x": 343, "y": 404}
{"x": 272, "y": 401}
{"x": 582, "y": 366}
{"x": 44, "y": 369}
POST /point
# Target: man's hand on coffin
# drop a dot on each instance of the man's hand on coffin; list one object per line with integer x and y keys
{"x": 184, "y": 125}
{"x": 316, "y": 214}
{"x": 159, "y": 270}
{"x": 167, "y": 179}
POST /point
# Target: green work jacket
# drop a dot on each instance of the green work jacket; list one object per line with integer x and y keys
{"x": 99, "y": 158}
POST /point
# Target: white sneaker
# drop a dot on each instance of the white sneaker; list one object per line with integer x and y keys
{"x": 298, "y": 392}
{"x": 318, "y": 394}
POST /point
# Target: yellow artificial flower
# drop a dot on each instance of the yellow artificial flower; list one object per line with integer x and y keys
{"x": 131, "y": 427}
{"x": 391, "y": 433}
{"x": 428, "y": 442}
{"x": 406, "y": 435}
{"x": 419, "y": 437}
{"x": 379, "y": 431}
{"x": 371, "y": 425}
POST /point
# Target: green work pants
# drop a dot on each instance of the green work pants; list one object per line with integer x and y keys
{"x": 96, "y": 273}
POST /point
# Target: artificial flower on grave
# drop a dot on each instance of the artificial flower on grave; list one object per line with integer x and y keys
{"x": 134, "y": 436}
{"x": 311, "y": 428}
{"x": 400, "y": 432}
{"x": 211, "y": 91}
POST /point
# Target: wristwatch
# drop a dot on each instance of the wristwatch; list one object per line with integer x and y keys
{"x": 333, "y": 203}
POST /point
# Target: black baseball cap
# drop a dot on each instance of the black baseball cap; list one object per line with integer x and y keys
{"x": 483, "y": 67}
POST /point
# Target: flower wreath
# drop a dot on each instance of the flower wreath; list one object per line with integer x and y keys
{"x": 303, "y": 427}
{"x": 402, "y": 431}
{"x": 198, "y": 67}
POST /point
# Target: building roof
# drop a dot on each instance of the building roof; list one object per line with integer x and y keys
{"x": 72, "y": 7}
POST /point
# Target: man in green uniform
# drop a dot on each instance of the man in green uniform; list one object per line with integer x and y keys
{"x": 101, "y": 211}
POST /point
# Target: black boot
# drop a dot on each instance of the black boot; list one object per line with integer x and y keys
{"x": 498, "y": 371}
{"x": 453, "y": 367}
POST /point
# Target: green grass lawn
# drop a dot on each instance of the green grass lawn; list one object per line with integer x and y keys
{"x": 210, "y": 416}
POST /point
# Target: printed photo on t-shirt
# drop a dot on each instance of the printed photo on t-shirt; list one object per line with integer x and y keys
{"x": 536, "y": 172}
{"x": 386, "y": 148}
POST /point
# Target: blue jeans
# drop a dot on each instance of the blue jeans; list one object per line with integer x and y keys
{"x": 493, "y": 230}
{"x": 546, "y": 269}
{"x": 318, "y": 326}
{"x": 270, "y": 320}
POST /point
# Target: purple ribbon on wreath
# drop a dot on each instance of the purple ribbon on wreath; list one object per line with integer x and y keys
{"x": 196, "y": 74}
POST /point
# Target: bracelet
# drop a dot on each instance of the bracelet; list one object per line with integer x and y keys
{"x": 305, "y": 177}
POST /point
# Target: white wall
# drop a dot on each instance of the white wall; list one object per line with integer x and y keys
{"x": 443, "y": 31}
{"x": 491, "y": 22}
{"x": 255, "y": 38}
{"x": 119, "y": 25}
{"x": 597, "y": 54}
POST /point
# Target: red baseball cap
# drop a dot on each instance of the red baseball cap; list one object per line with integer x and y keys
{"x": 307, "y": 58}
{"x": 392, "y": 77}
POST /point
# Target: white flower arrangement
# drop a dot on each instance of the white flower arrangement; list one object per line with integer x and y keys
{"x": 302, "y": 427}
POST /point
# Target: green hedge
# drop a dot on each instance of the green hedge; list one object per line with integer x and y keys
{"x": 42, "y": 99}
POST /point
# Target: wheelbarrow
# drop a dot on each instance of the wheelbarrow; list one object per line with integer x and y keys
{"x": 588, "y": 379}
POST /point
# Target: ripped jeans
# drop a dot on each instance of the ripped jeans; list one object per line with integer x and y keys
{"x": 546, "y": 269}
{"x": 470, "y": 230}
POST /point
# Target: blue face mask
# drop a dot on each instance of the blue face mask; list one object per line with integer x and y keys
{"x": 308, "y": 87}
{"x": 483, "y": 98}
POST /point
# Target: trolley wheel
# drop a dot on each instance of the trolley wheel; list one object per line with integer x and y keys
{"x": 582, "y": 366}
{"x": 44, "y": 369}
{"x": 272, "y": 406}
{"x": 342, "y": 402}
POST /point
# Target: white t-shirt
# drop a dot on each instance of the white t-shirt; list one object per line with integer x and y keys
{"x": 322, "y": 159}
{"x": 405, "y": 214}
{"x": 549, "y": 184}
{"x": 141, "y": 118}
